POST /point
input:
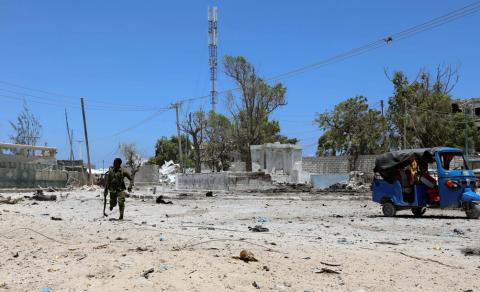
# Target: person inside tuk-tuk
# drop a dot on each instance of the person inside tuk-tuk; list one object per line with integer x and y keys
{"x": 433, "y": 196}
{"x": 405, "y": 177}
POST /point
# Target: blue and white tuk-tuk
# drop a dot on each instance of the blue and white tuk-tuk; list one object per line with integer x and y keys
{"x": 405, "y": 180}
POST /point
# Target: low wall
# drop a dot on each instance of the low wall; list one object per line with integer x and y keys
{"x": 226, "y": 181}
{"x": 26, "y": 175}
{"x": 338, "y": 164}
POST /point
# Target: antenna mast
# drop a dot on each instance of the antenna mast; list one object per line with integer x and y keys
{"x": 212, "y": 52}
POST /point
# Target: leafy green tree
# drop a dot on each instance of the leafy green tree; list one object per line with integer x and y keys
{"x": 352, "y": 128}
{"x": 220, "y": 142}
{"x": 251, "y": 109}
{"x": 166, "y": 149}
{"x": 420, "y": 112}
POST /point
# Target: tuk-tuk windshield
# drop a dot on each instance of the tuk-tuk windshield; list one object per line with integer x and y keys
{"x": 453, "y": 161}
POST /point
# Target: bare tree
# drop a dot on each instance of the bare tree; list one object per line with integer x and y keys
{"x": 194, "y": 124}
{"x": 133, "y": 159}
{"x": 251, "y": 110}
{"x": 27, "y": 128}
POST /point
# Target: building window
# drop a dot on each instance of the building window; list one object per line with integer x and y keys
{"x": 477, "y": 111}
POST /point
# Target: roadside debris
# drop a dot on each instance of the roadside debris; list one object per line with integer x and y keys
{"x": 331, "y": 265}
{"x": 458, "y": 231}
{"x": 56, "y": 218}
{"x": 246, "y": 256}
{"x": 167, "y": 172}
{"x": 101, "y": 246}
{"x": 9, "y": 200}
{"x": 147, "y": 273}
{"x": 162, "y": 268}
{"x": 209, "y": 194}
{"x": 258, "y": 228}
{"x": 326, "y": 271}
{"x": 344, "y": 241}
{"x": 160, "y": 200}
{"x": 39, "y": 196}
{"x": 254, "y": 284}
{"x": 386, "y": 242}
{"x": 469, "y": 251}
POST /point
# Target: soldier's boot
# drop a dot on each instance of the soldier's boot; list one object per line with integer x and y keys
{"x": 121, "y": 207}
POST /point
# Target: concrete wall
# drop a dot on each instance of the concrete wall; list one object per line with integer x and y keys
{"x": 275, "y": 158}
{"x": 338, "y": 164}
{"x": 24, "y": 175}
{"x": 147, "y": 174}
{"x": 225, "y": 181}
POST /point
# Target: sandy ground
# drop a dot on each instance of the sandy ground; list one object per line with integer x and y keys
{"x": 190, "y": 245}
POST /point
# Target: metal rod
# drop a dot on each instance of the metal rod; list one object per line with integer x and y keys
{"x": 86, "y": 143}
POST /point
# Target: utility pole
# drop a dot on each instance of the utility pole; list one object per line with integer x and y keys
{"x": 466, "y": 131}
{"x": 86, "y": 142}
{"x": 70, "y": 137}
{"x": 405, "y": 124}
{"x": 180, "y": 151}
{"x": 212, "y": 52}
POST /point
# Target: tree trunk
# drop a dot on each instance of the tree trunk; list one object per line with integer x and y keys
{"x": 248, "y": 160}
{"x": 198, "y": 160}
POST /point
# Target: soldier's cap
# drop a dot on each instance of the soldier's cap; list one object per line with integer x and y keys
{"x": 119, "y": 160}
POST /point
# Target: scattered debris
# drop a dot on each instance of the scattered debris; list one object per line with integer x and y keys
{"x": 162, "y": 268}
{"x": 246, "y": 256}
{"x": 262, "y": 219}
{"x": 56, "y": 218}
{"x": 160, "y": 200}
{"x": 331, "y": 265}
{"x": 167, "y": 172}
{"x": 209, "y": 194}
{"x": 15, "y": 255}
{"x": 326, "y": 271}
{"x": 147, "y": 273}
{"x": 429, "y": 260}
{"x": 386, "y": 242}
{"x": 39, "y": 196}
{"x": 254, "y": 284}
{"x": 141, "y": 248}
{"x": 101, "y": 246}
{"x": 344, "y": 241}
{"x": 266, "y": 268}
{"x": 258, "y": 228}
{"x": 9, "y": 200}
{"x": 458, "y": 231}
{"x": 162, "y": 237}
{"x": 81, "y": 258}
{"x": 469, "y": 251}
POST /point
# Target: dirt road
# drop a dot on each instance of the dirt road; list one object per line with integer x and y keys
{"x": 190, "y": 245}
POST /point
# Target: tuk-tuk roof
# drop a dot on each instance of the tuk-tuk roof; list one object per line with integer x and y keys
{"x": 387, "y": 163}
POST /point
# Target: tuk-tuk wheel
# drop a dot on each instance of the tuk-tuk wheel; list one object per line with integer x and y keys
{"x": 389, "y": 209}
{"x": 473, "y": 212}
{"x": 418, "y": 211}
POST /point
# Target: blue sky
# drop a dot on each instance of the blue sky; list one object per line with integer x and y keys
{"x": 150, "y": 53}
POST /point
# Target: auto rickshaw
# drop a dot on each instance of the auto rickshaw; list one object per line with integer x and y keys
{"x": 417, "y": 179}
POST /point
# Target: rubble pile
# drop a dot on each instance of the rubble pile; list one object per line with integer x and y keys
{"x": 167, "y": 173}
{"x": 357, "y": 182}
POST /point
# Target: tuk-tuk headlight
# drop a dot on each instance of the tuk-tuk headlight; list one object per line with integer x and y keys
{"x": 453, "y": 185}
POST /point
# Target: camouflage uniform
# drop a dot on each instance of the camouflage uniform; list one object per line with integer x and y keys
{"x": 116, "y": 187}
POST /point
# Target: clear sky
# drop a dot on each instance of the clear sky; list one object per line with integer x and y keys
{"x": 149, "y": 53}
